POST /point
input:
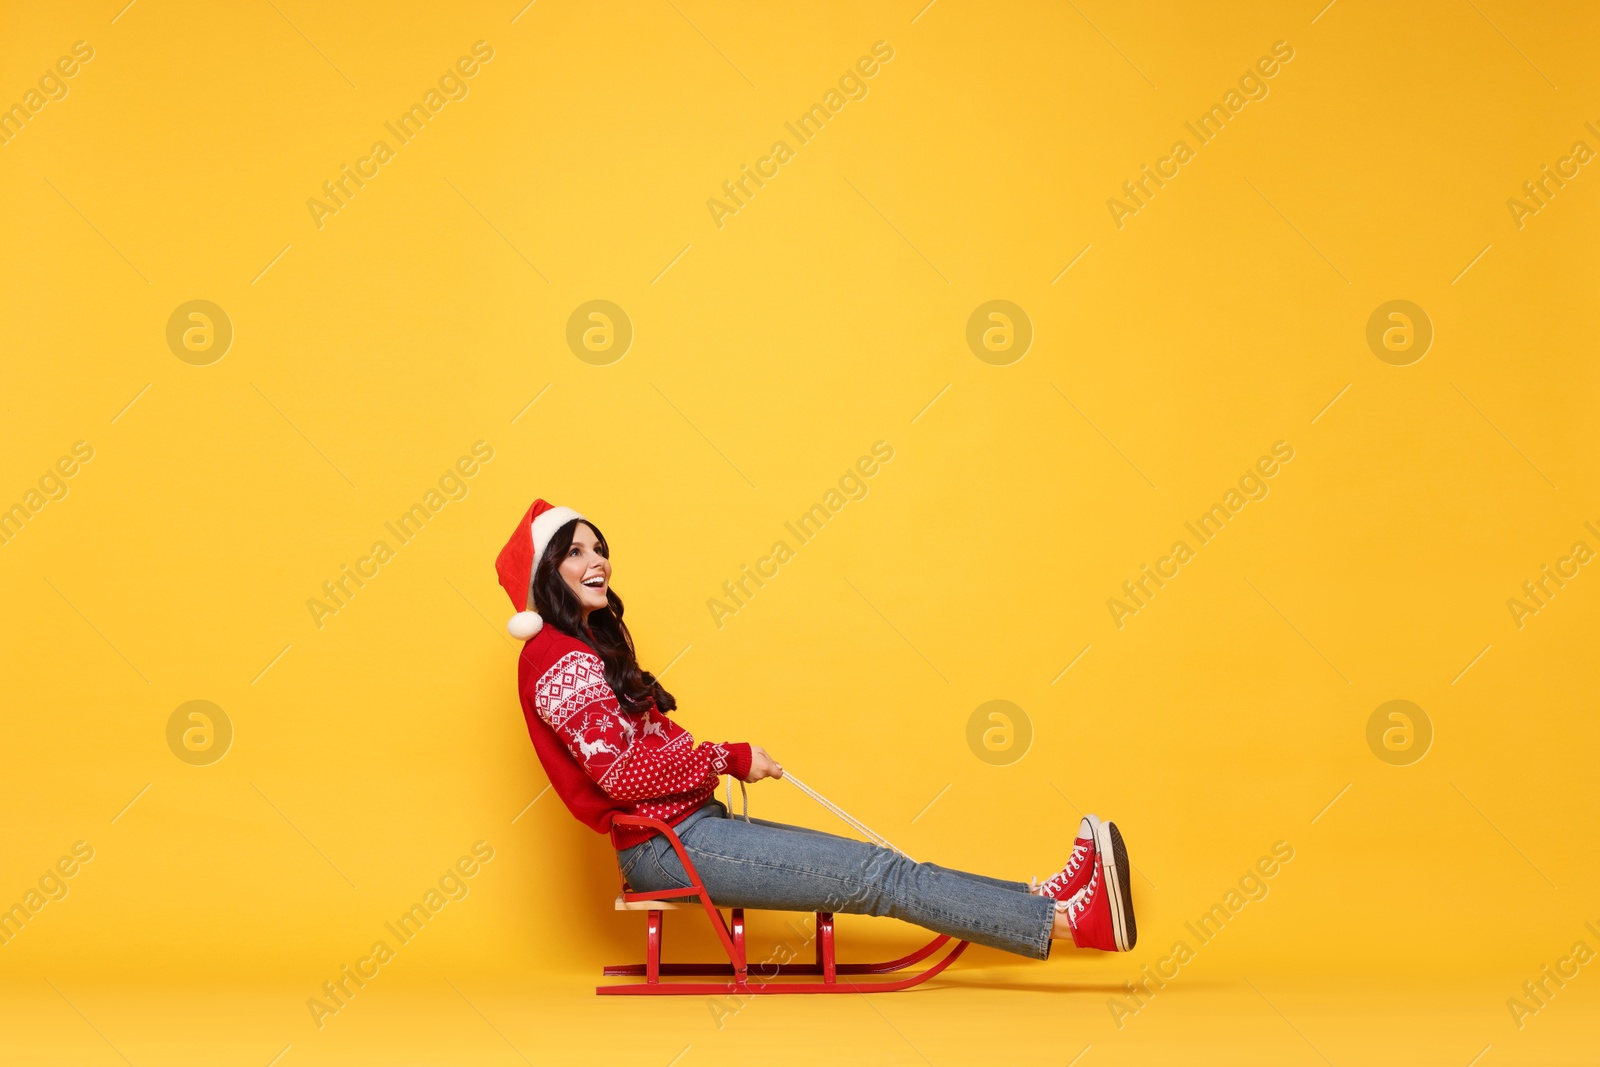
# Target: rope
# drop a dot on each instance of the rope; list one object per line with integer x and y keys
{"x": 744, "y": 795}
{"x": 867, "y": 831}
{"x": 872, "y": 835}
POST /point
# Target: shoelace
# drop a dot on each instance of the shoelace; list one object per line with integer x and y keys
{"x": 1061, "y": 877}
{"x": 1078, "y": 903}
{"x": 1074, "y": 861}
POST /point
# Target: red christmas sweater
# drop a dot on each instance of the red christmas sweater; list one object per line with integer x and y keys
{"x": 604, "y": 761}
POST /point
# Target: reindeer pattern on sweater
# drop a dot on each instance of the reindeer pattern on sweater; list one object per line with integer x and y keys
{"x": 629, "y": 756}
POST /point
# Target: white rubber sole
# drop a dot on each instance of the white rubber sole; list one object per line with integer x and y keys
{"x": 1114, "y": 862}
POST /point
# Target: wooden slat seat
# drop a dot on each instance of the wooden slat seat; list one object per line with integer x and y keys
{"x": 654, "y": 905}
{"x": 667, "y": 905}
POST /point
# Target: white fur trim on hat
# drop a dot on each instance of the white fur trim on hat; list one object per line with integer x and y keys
{"x": 545, "y": 526}
{"x": 524, "y": 625}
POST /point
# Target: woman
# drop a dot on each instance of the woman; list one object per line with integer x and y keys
{"x": 600, "y": 727}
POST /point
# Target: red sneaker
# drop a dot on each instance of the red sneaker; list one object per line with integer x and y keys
{"x": 1075, "y": 875}
{"x": 1101, "y": 913}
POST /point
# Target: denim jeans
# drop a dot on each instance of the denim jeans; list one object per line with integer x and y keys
{"x": 770, "y": 865}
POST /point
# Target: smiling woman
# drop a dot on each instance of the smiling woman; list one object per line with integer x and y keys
{"x": 599, "y": 726}
{"x": 570, "y": 587}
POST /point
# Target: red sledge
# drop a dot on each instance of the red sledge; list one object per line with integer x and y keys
{"x": 735, "y": 974}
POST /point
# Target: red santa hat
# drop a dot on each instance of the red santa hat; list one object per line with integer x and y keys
{"x": 516, "y": 563}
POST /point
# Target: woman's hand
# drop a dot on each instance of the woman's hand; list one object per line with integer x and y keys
{"x": 763, "y": 765}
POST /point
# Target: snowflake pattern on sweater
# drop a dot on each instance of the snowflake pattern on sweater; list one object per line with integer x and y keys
{"x": 656, "y": 758}
{"x": 604, "y": 761}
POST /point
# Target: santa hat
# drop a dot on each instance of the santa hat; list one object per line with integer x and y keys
{"x": 516, "y": 563}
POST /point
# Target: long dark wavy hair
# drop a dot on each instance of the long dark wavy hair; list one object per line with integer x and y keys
{"x": 606, "y": 633}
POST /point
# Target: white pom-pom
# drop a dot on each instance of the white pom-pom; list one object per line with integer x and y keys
{"x": 524, "y": 625}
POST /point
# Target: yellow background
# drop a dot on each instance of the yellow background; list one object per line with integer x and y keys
{"x": 768, "y": 355}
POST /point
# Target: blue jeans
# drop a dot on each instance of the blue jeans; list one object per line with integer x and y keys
{"x": 770, "y": 865}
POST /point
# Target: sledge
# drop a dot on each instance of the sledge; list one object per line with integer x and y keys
{"x": 737, "y": 976}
